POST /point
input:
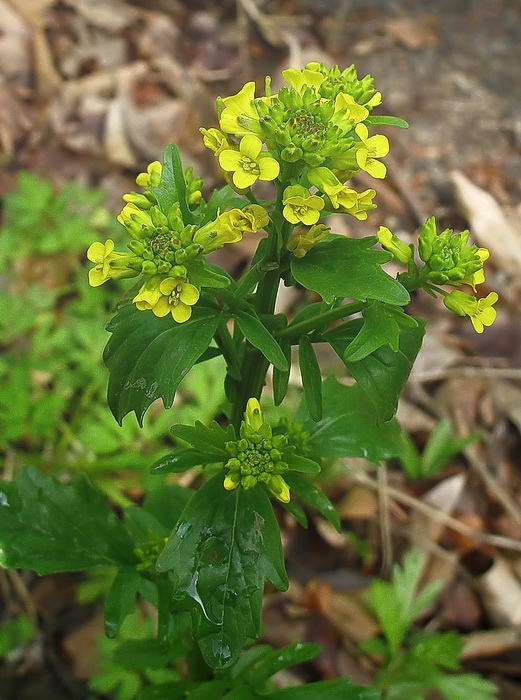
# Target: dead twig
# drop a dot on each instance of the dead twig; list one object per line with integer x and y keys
{"x": 479, "y": 537}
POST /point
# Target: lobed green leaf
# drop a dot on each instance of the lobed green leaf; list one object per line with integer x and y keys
{"x": 147, "y": 356}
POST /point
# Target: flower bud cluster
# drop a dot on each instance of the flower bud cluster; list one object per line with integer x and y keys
{"x": 258, "y": 456}
{"x": 164, "y": 249}
{"x": 449, "y": 261}
{"x": 149, "y": 551}
{"x": 315, "y": 136}
{"x": 447, "y": 256}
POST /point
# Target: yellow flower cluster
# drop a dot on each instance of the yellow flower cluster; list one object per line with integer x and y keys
{"x": 168, "y": 252}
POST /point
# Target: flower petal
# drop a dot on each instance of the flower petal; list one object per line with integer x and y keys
{"x": 229, "y": 159}
{"x": 162, "y": 307}
{"x": 244, "y": 179}
{"x": 268, "y": 166}
{"x": 250, "y": 146}
{"x": 375, "y": 168}
{"x": 96, "y": 276}
{"x": 96, "y": 252}
{"x": 189, "y": 294}
{"x": 181, "y": 312}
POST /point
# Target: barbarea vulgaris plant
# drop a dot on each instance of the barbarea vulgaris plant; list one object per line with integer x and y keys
{"x": 300, "y": 148}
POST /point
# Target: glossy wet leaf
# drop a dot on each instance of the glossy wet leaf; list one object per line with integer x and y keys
{"x": 382, "y": 374}
{"x": 223, "y": 548}
{"x": 278, "y": 659}
{"x": 49, "y": 526}
{"x": 281, "y": 376}
{"x": 349, "y": 426}
{"x": 341, "y": 267}
{"x": 148, "y": 356}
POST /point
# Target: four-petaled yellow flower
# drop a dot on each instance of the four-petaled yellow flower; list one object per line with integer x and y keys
{"x": 302, "y": 241}
{"x": 301, "y": 206}
{"x": 176, "y": 297}
{"x": 477, "y": 277}
{"x": 239, "y": 105}
{"x": 400, "y": 250}
{"x": 300, "y": 79}
{"x": 149, "y": 294}
{"x": 215, "y": 140}
{"x": 249, "y": 164}
{"x": 480, "y": 311}
{"x": 354, "y": 111}
{"x": 152, "y": 177}
{"x": 372, "y": 148}
{"x": 109, "y": 263}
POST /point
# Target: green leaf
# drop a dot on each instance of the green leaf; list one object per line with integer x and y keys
{"x": 388, "y": 121}
{"x": 311, "y": 377}
{"x": 381, "y": 327}
{"x": 278, "y": 659}
{"x": 302, "y": 464}
{"x": 311, "y": 495}
{"x": 172, "y": 187}
{"x": 338, "y": 689}
{"x": 281, "y": 377}
{"x": 222, "y": 199}
{"x": 441, "y": 447}
{"x": 120, "y": 601}
{"x": 397, "y": 603}
{"x": 382, "y": 375}
{"x": 224, "y": 546}
{"x": 177, "y": 462}
{"x": 148, "y": 356}
{"x": 260, "y": 337}
{"x": 343, "y": 267}
{"x": 48, "y": 526}
{"x": 463, "y": 686}
{"x": 211, "y": 439}
{"x": 203, "y": 274}
{"x": 442, "y": 649}
{"x": 349, "y": 427}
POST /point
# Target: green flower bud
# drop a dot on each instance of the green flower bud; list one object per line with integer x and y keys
{"x": 149, "y": 267}
{"x": 291, "y": 153}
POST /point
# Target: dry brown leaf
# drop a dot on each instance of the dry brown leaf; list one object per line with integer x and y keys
{"x": 500, "y": 593}
{"x": 15, "y": 43}
{"x": 490, "y": 225}
{"x": 82, "y": 648}
{"x": 444, "y": 497}
{"x": 108, "y": 15}
{"x": 360, "y": 503}
{"x": 116, "y": 143}
{"x": 490, "y": 643}
{"x": 413, "y": 32}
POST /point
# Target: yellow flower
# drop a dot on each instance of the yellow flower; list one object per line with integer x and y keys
{"x": 477, "y": 277}
{"x": 355, "y": 112}
{"x": 300, "y": 79}
{"x": 176, "y": 297}
{"x": 326, "y": 181}
{"x": 239, "y": 105}
{"x": 301, "y": 206}
{"x": 215, "y": 140}
{"x": 364, "y": 201}
{"x": 152, "y": 177}
{"x": 253, "y": 414}
{"x": 400, "y": 250}
{"x": 372, "y": 148}
{"x": 249, "y": 164}
{"x": 149, "y": 294}
{"x": 479, "y": 311}
{"x": 302, "y": 242}
{"x": 279, "y": 488}
{"x": 230, "y": 226}
{"x": 109, "y": 263}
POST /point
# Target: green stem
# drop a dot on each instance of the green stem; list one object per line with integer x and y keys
{"x": 297, "y": 329}
{"x": 255, "y": 365}
{"x": 226, "y": 344}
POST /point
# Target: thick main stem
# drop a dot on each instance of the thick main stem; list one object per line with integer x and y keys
{"x": 254, "y": 365}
